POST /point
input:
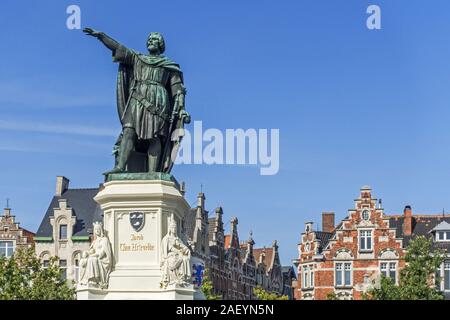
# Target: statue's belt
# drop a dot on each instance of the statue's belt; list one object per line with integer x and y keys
{"x": 150, "y": 106}
{"x": 150, "y": 82}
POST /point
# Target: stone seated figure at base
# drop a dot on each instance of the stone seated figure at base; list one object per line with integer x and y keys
{"x": 96, "y": 263}
{"x": 175, "y": 263}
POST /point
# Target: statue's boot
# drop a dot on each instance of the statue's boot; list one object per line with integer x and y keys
{"x": 114, "y": 170}
{"x": 124, "y": 153}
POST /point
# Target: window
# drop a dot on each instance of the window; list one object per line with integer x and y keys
{"x": 308, "y": 277}
{"x": 305, "y": 277}
{"x": 307, "y": 246}
{"x": 447, "y": 275}
{"x": 63, "y": 231}
{"x": 63, "y": 266}
{"x": 365, "y": 240}
{"x": 389, "y": 270}
{"x": 343, "y": 274}
{"x": 347, "y": 274}
{"x": 45, "y": 264}
{"x": 443, "y": 236}
{"x": 76, "y": 269}
{"x": 6, "y": 248}
{"x": 338, "y": 274}
{"x": 365, "y": 215}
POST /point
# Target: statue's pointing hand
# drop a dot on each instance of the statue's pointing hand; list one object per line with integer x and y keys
{"x": 91, "y": 32}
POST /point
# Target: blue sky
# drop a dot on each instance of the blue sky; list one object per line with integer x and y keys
{"x": 353, "y": 106}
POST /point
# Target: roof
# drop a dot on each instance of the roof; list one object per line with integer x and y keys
{"x": 324, "y": 237}
{"x": 227, "y": 241}
{"x": 422, "y": 225}
{"x": 84, "y": 208}
{"x": 443, "y": 226}
{"x": 288, "y": 270}
{"x": 268, "y": 258}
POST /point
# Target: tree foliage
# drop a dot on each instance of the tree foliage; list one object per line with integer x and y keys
{"x": 332, "y": 296}
{"x": 207, "y": 287}
{"x": 262, "y": 294}
{"x": 23, "y": 277}
{"x": 417, "y": 278}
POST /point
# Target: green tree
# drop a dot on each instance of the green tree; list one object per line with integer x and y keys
{"x": 207, "y": 287}
{"x": 386, "y": 290}
{"x": 417, "y": 278}
{"x": 332, "y": 296}
{"x": 262, "y": 294}
{"x": 23, "y": 277}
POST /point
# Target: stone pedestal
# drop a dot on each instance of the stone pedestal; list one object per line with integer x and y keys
{"x": 136, "y": 242}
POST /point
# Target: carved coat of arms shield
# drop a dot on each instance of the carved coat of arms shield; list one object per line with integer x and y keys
{"x": 137, "y": 220}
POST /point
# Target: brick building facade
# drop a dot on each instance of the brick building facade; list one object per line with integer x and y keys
{"x": 235, "y": 267}
{"x": 12, "y": 236}
{"x": 346, "y": 259}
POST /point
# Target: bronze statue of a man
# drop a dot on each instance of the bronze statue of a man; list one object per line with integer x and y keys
{"x": 150, "y": 102}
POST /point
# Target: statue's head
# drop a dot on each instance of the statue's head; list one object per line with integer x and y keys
{"x": 98, "y": 229}
{"x": 173, "y": 226}
{"x": 155, "y": 43}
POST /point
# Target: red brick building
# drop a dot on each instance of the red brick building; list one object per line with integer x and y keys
{"x": 12, "y": 236}
{"x": 346, "y": 259}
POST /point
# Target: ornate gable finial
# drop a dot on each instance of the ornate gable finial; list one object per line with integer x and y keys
{"x": 250, "y": 240}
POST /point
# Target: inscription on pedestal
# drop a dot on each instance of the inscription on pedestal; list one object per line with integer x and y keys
{"x": 136, "y": 242}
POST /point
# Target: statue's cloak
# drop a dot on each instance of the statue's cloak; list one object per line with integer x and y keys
{"x": 125, "y": 78}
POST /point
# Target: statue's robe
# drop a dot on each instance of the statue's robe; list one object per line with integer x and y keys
{"x": 98, "y": 266}
{"x": 175, "y": 265}
{"x": 146, "y": 90}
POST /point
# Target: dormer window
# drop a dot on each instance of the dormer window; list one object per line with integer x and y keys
{"x": 63, "y": 231}
{"x": 442, "y": 235}
{"x": 442, "y": 232}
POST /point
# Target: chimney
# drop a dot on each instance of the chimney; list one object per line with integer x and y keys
{"x": 328, "y": 221}
{"x": 407, "y": 221}
{"x": 62, "y": 184}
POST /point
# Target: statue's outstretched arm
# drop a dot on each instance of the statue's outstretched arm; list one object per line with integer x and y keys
{"x": 109, "y": 42}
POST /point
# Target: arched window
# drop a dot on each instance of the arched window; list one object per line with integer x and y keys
{"x": 62, "y": 229}
{"x": 45, "y": 259}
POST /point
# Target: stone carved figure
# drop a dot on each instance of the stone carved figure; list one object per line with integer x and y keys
{"x": 96, "y": 263}
{"x": 150, "y": 103}
{"x": 175, "y": 258}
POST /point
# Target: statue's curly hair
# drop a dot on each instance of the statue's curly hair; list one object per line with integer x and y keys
{"x": 162, "y": 44}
